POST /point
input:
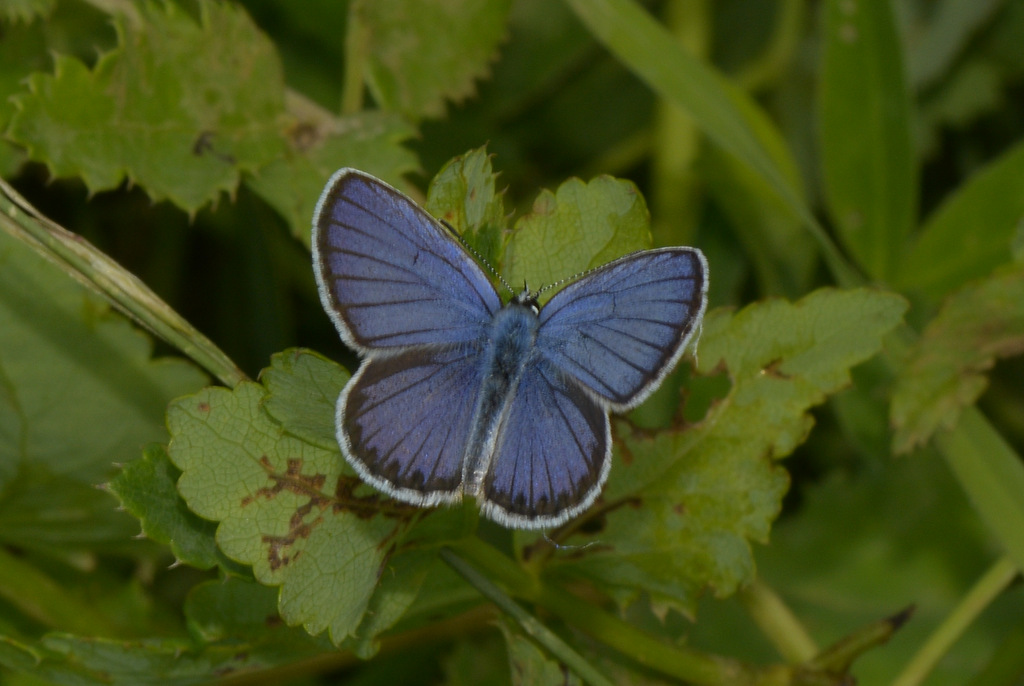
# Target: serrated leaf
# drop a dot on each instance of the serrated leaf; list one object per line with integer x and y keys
{"x": 80, "y": 392}
{"x": 369, "y": 141}
{"x": 291, "y": 509}
{"x": 867, "y": 149}
{"x": 422, "y": 54}
{"x": 463, "y": 194}
{"x": 79, "y": 660}
{"x": 302, "y": 391}
{"x": 681, "y": 506}
{"x": 971, "y": 233}
{"x": 578, "y": 227}
{"x": 179, "y": 108}
{"x": 147, "y": 490}
{"x": 22, "y": 51}
{"x": 946, "y": 372}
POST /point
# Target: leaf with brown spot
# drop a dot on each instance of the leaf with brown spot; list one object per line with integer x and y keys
{"x": 276, "y": 500}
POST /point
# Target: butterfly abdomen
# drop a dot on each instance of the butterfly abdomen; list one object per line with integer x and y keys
{"x": 513, "y": 335}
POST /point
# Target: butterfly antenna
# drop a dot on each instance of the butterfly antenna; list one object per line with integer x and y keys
{"x": 567, "y": 279}
{"x": 479, "y": 258}
{"x": 564, "y": 546}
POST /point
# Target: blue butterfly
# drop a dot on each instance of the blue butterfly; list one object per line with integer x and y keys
{"x": 461, "y": 395}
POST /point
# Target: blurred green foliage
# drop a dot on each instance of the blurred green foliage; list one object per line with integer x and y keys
{"x": 853, "y": 170}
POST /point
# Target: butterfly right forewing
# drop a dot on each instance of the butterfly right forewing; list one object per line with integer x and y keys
{"x": 389, "y": 274}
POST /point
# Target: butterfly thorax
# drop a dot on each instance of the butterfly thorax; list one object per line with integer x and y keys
{"x": 510, "y": 349}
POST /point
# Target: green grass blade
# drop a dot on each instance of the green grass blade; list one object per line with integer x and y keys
{"x": 724, "y": 113}
{"x": 870, "y": 171}
{"x": 993, "y": 476}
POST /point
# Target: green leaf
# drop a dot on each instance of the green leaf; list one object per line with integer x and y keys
{"x": 292, "y": 510}
{"x": 473, "y": 662}
{"x": 863, "y": 546}
{"x": 399, "y": 586}
{"x": 423, "y": 53}
{"x": 302, "y": 392}
{"x": 946, "y": 371}
{"x": 22, "y": 51}
{"x": 950, "y": 28}
{"x": 444, "y": 593}
{"x": 370, "y": 141}
{"x": 79, "y": 392}
{"x": 682, "y": 505}
{"x": 25, "y": 10}
{"x": 147, "y": 490}
{"x": 529, "y": 664}
{"x": 78, "y": 660}
{"x": 179, "y": 108}
{"x": 233, "y": 610}
{"x": 578, "y": 227}
{"x": 463, "y": 194}
{"x": 971, "y": 233}
{"x": 63, "y": 516}
{"x": 867, "y": 149}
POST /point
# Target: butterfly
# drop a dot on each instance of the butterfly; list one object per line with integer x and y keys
{"x": 460, "y": 394}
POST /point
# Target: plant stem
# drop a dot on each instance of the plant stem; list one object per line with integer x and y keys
{"x": 357, "y": 44}
{"x": 780, "y": 50}
{"x": 991, "y": 473}
{"x": 777, "y": 622}
{"x": 991, "y": 584}
{"x": 677, "y": 661}
{"x": 122, "y": 289}
{"x": 676, "y": 143}
{"x": 529, "y": 624}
